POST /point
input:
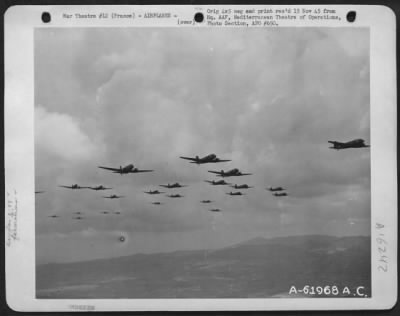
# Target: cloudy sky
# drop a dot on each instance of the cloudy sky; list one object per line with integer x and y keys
{"x": 269, "y": 99}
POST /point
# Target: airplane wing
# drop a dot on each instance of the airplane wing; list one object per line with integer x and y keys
{"x": 108, "y": 168}
{"x": 245, "y": 174}
{"x": 65, "y": 186}
{"x": 221, "y": 160}
{"x": 137, "y": 171}
{"x": 216, "y": 172}
{"x": 164, "y": 186}
{"x": 188, "y": 158}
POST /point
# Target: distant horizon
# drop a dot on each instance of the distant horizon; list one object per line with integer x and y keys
{"x": 206, "y": 250}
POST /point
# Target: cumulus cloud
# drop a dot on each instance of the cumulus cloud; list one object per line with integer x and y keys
{"x": 60, "y": 134}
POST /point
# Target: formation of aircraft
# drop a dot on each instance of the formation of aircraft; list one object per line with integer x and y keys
{"x": 278, "y": 191}
{"x": 125, "y": 170}
{"x": 230, "y": 173}
{"x": 113, "y": 196}
{"x": 219, "y": 182}
{"x": 153, "y": 192}
{"x": 99, "y": 188}
{"x": 173, "y": 185}
{"x": 240, "y": 186}
{"x": 211, "y": 158}
{"x": 356, "y": 143}
{"x": 73, "y": 187}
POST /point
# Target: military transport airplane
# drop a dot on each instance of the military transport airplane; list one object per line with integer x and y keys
{"x": 78, "y": 218}
{"x": 356, "y": 143}
{"x": 157, "y": 203}
{"x": 153, "y": 192}
{"x": 36, "y": 192}
{"x": 172, "y": 186}
{"x": 113, "y": 196}
{"x": 211, "y": 158}
{"x": 125, "y": 170}
{"x": 99, "y": 187}
{"x": 78, "y": 213}
{"x": 220, "y": 182}
{"x": 104, "y": 212}
{"x": 215, "y": 210}
{"x": 235, "y": 193}
{"x": 175, "y": 195}
{"x": 53, "y": 216}
{"x": 117, "y": 213}
{"x": 73, "y": 187}
{"x": 231, "y": 173}
{"x": 280, "y": 194}
{"x": 241, "y": 186}
{"x": 205, "y": 201}
{"x": 275, "y": 189}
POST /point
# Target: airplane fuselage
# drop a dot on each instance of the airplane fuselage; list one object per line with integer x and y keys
{"x": 356, "y": 143}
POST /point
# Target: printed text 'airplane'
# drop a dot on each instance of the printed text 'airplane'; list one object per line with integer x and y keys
{"x": 356, "y": 143}
{"x": 125, "y": 170}
{"x": 231, "y": 173}
{"x": 211, "y": 158}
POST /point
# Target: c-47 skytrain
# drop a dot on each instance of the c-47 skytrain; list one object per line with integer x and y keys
{"x": 356, "y": 143}
{"x": 125, "y": 170}
{"x": 211, "y": 158}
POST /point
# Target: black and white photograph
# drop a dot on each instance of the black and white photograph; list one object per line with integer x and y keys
{"x": 201, "y": 163}
{"x": 206, "y": 163}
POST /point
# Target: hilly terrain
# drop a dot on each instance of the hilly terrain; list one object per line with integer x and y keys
{"x": 258, "y": 268}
